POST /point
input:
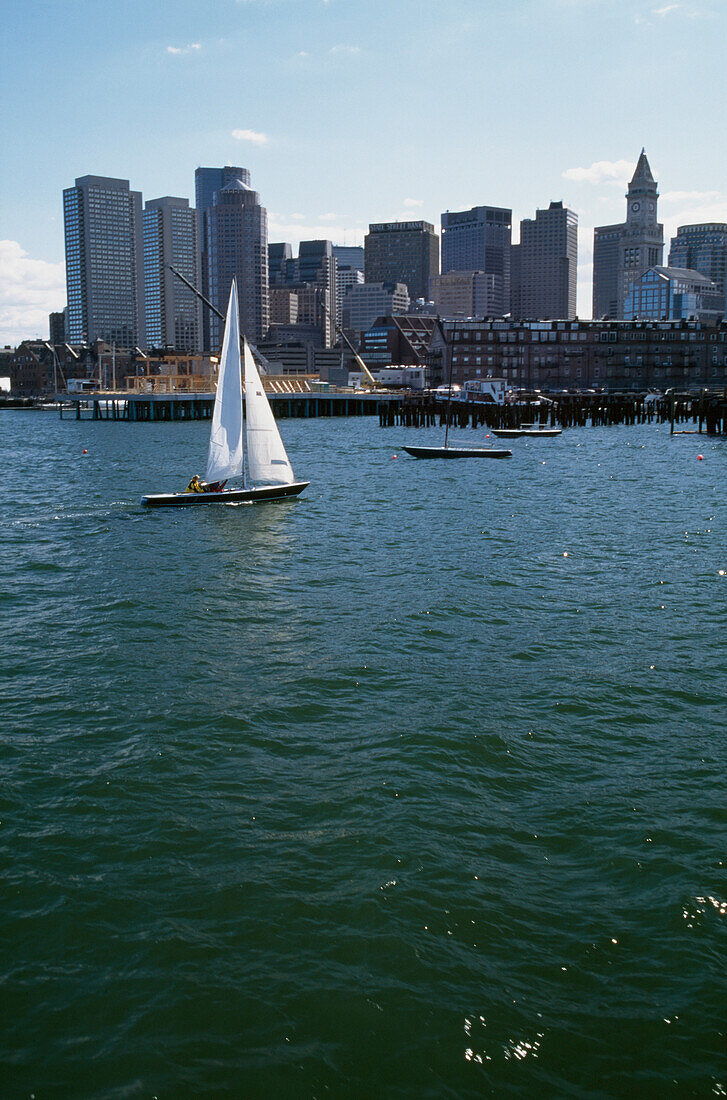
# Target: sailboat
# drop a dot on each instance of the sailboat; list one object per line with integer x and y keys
{"x": 456, "y": 452}
{"x": 268, "y": 466}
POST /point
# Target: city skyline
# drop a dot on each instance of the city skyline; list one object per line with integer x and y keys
{"x": 301, "y": 103}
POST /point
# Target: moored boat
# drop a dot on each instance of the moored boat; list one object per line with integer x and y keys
{"x": 458, "y": 452}
{"x": 531, "y": 433}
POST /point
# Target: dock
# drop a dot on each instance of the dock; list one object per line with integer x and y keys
{"x": 155, "y": 407}
{"x": 707, "y": 411}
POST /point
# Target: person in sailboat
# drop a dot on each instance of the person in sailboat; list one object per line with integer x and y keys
{"x": 195, "y": 485}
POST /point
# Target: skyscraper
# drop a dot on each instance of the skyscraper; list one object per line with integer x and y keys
{"x": 463, "y": 293}
{"x": 545, "y": 272}
{"x": 349, "y": 255}
{"x": 280, "y": 259}
{"x": 173, "y": 311}
{"x": 236, "y": 244}
{"x": 702, "y": 248}
{"x": 623, "y": 252}
{"x": 346, "y": 277}
{"x": 402, "y": 252}
{"x": 479, "y": 240}
{"x": 207, "y": 182}
{"x": 102, "y": 222}
{"x": 366, "y": 302}
{"x": 312, "y": 270}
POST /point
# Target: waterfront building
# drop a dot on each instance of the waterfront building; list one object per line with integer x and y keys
{"x": 402, "y": 252}
{"x": 544, "y": 266}
{"x": 207, "y": 182}
{"x": 236, "y": 244}
{"x": 674, "y": 294}
{"x": 702, "y": 248}
{"x": 465, "y": 294}
{"x": 304, "y": 357}
{"x": 39, "y": 367}
{"x": 403, "y": 339}
{"x": 300, "y": 334}
{"x": 479, "y": 240}
{"x": 173, "y": 311}
{"x": 581, "y": 355}
{"x": 104, "y": 264}
{"x": 621, "y": 253}
{"x": 365, "y": 302}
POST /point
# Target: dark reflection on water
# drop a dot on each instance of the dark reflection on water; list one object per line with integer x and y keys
{"x": 413, "y": 786}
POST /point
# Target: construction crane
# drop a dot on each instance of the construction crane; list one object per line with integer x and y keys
{"x": 262, "y": 362}
{"x": 364, "y": 369}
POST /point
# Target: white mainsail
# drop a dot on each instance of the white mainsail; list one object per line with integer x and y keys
{"x": 267, "y": 461}
{"x": 224, "y": 459}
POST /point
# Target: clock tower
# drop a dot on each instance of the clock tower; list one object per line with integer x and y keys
{"x": 642, "y": 238}
{"x": 623, "y": 252}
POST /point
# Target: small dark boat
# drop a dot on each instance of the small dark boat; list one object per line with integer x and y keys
{"x": 458, "y": 452}
{"x": 227, "y": 496}
{"x": 531, "y": 433}
{"x": 455, "y": 452}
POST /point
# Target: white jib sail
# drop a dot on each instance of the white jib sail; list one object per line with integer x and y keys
{"x": 267, "y": 461}
{"x": 224, "y": 459}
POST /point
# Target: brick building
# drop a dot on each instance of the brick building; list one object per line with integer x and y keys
{"x": 573, "y": 355}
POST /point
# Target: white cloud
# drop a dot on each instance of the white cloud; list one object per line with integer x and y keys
{"x": 413, "y": 202}
{"x": 602, "y": 171}
{"x": 29, "y": 290}
{"x": 180, "y": 50}
{"x": 253, "y": 136}
{"x": 661, "y": 12}
{"x": 348, "y": 51}
{"x": 700, "y": 197}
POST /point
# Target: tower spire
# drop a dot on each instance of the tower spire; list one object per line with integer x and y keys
{"x": 642, "y": 173}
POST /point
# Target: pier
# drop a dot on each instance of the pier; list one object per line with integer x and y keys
{"x": 154, "y": 407}
{"x": 707, "y": 411}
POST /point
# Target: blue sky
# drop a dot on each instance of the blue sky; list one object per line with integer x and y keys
{"x": 351, "y": 111}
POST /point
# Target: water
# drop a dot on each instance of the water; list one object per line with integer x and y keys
{"x": 411, "y": 787}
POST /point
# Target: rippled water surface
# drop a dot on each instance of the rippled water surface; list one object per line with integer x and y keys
{"x": 412, "y": 787}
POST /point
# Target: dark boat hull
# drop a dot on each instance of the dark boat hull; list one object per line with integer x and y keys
{"x": 458, "y": 452}
{"x": 227, "y": 496}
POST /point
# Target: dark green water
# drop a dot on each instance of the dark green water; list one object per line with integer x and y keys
{"x": 413, "y": 787}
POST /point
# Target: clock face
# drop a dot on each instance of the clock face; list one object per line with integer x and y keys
{"x": 635, "y": 206}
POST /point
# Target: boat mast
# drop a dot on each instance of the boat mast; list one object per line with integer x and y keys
{"x": 449, "y": 393}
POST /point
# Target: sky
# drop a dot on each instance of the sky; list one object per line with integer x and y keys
{"x": 355, "y": 111}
